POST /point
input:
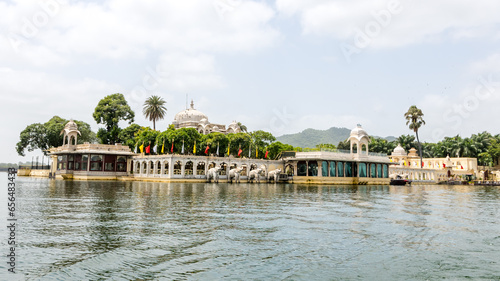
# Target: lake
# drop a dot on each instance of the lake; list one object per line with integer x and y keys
{"x": 78, "y": 230}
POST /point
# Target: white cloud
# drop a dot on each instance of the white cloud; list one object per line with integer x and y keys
{"x": 416, "y": 22}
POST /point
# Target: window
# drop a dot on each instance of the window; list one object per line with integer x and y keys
{"x": 386, "y": 171}
{"x": 301, "y": 169}
{"x": 109, "y": 163}
{"x": 379, "y": 170}
{"x": 340, "y": 169}
{"x": 121, "y": 163}
{"x": 332, "y": 169}
{"x": 324, "y": 169}
{"x": 313, "y": 169}
{"x": 71, "y": 159}
{"x": 96, "y": 162}
{"x": 362, "y": 170}
{"x": 373, "y": 171}
{"x": 84, "y": 162}
{"x": 348, "y": 169}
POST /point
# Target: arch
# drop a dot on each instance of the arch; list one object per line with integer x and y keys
{"x": 188, "y": 168}
{"x": 289, "y": 169}
{"x": 158, "y": 167}
{"x": 137, "y": 169}
{"x": 165, "y": 168}
{"x": 200, "y": 169}
{"x": 144, "y": 168}
{"x": 244, "y": 172}
{"x": 364, "y": 148}
{"x": 211, "y": 165}
{"x": 177, "y": 167}
{"x": 151, "y": 167}
{"x": 253, "y": 166}
{"x": 223, "y": 166}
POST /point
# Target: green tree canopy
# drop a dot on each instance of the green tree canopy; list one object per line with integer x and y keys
{"x": 154, "y": 109}
{"x": 127, "y": 135}
{"x": 110, "y": 111}
{"x": 414, "y": 121}
{"x": 146, "y": 136}
{"x": 47, "y": 135}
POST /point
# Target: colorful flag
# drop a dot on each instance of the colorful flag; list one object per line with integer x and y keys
{"x": 267, "y": 152}
{"x": 228, "y": 146}
{"x": 194, "y": 147}
{"x": 182, "y": 150}
{"x": 142, "y": 147}
{"x": 462, "y": 167}
{"x": 444, "y": 165}
{"x": 206, "y": 149}
{"x": 155, "y": 148}
{"x": 172, "y": 149}
{"x": 217, "y": 149}
{"x": 239, "y": 152}
{"x": 256, "y": 152}
{"x": 148, "y": 148}
{"x": 163, "y": 147}
{"x": 249, "y": 151}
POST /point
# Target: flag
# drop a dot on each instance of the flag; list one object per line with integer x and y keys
{"x": 194, "y": 147}
{"x": 206, "y": 149}
{"x": 163, "y": 147}
{"x": 182, "y": 150}
{"x": 239, "y": 152}
{"x": 267, "y": 152}
{"x": 148, "y": 148}
{"x": 172, "y": 149}
{"x": 228, "y": 146}
{"x": 155, "y": 148}
{"x": 249, "y": 151}
{"x": 136, "y": 148}
{"x": 462, "y": 167}
{"x": 217, "y": 149}
{"x": 256, "y": 152}
{"x": 444, "y": 165}
{"x": 142, "y": 147}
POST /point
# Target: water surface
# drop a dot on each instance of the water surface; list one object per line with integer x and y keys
{"x": 78, "y": 230}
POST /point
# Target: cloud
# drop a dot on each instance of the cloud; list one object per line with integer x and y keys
{"x": 413, "y": 23}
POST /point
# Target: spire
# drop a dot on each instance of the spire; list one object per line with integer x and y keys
{"x": 192, "y": 104}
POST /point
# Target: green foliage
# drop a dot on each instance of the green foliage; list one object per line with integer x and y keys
{"x": 127, "y": 135}
{"x": 238, "y": 141}
{"x": 381, "y": 145}
{"x": 110, "y": 111}
{"x": 344, "y": 145}
{"x": 47, "y": 135}
{"x": 406, "y": 141}
{"x": 146, "y": 136}
{"x": 213, "y": 140}
{"x": 154, "y": 109}
{"x": 276, "y": 148}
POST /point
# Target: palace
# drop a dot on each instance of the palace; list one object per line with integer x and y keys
{"x": 192, "y": 118}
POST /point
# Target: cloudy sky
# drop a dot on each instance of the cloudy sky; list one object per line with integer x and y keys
{"x": 281, "y": 66}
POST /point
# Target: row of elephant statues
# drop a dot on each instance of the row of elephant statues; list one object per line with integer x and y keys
{"x": 235, "y": 174}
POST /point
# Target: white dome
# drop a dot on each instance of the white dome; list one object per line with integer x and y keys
{"x": 190, "y": 115}
{"x": 358, "y": 132}
{"x": 399, "y": 151}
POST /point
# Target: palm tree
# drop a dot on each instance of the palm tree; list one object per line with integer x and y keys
{"x": 414, "y": 119}
{"x": 243, "y": 128}
{"x": 154, "y": 109}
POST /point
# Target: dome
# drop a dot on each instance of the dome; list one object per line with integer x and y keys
{"x": 71, "y": 126}
{"x": 190, "y": 115}
{"x": 358, "y": 132}
{"x": 399, "y": 151}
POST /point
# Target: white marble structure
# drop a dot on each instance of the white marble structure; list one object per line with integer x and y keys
{"x": 192, "y": 118}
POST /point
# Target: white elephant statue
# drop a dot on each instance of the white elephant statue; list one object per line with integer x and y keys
{"x": 235, "y": 173}
{"x": 213, "y": 173}
{"x": 274, "y": 175}
{"x": 255, "y": 174}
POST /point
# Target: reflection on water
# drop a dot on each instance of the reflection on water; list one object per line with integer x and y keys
{"x": 77, "y": 230}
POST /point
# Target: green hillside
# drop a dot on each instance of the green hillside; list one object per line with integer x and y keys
{"x": 313, "y": 137}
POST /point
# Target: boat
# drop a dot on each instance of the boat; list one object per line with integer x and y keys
{"x": 400, "y": 181}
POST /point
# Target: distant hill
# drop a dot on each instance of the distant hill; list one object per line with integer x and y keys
{"x": 313, "y": 137}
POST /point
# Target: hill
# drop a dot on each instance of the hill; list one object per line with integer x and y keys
{"x": 312, "y": 137}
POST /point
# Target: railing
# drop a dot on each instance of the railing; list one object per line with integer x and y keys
{"x": 35, "y": 167}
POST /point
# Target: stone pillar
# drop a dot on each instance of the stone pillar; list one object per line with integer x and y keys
{"x": 195, "y": 168}
{"x": 320, "y": 168}
{"x": 183, "y": 168}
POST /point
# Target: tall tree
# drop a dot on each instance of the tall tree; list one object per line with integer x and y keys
{"x": 110, "y": 111}
{"x": 47, "y": 135}
{"x": 243, "y": 128}
{"x": 154, "y": 109}
{"x": 414, "y": 121}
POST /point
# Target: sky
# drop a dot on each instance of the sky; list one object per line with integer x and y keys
{"x": 280, "y": 66}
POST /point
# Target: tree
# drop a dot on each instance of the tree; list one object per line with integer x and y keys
{"x": 276, "y": 148}
{"x": 146, "y": 136}
{"x": 406, "y": 141}
{"x": 325, "y": 146}
{"x": 154, "y": 109}
{"x": 127, "y": 135}
{"x": 243, "y": 128}
{"x": 414, "y": 121}
{"x": 47, "y": 135}
{"x": 344, "y": 145}
{"x": 110, "y": 111}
